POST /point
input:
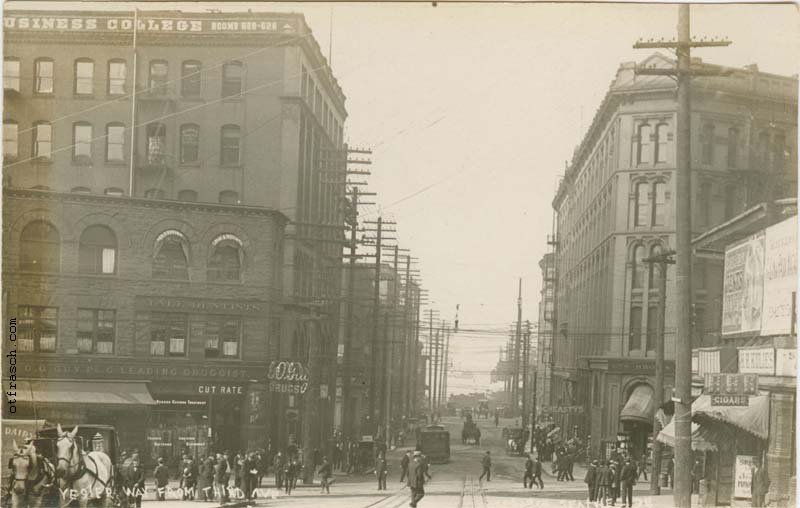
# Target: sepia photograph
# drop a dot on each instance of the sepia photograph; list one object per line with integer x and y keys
{"x": 378, "y": 254}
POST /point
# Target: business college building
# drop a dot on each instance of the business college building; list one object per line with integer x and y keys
{"x": 149, "y": 257}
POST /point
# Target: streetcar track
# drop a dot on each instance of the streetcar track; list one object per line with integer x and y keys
{"x": 388, "y": 500}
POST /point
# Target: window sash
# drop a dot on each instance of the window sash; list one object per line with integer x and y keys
{"x": 83, "y": 141}
{"x": 38, "y": 328}
{"x": 11, "y": 75}
{"x": 43, "y": 141}
{"x": 229, "y": 151}
{"x": 44, "y": 79}
{"x": 10, "y": 139}
{"x": 231, "y": 80}
{"x": 158, "y": 77}
{"x": 84, "y": 78}
{"x": 190, "y": 79}
{"x": 190, "y": 144}
{"x": 115, "y": 143}
{"x": 117, "y": 77}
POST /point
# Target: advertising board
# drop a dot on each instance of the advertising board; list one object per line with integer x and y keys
{"x": 780, "y": 277}
{"x": 743, "y": 286}
{"x": 743, "y": 476}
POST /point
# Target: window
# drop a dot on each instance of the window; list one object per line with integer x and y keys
{"x": 222, "y": 337}
{"x": 652, "y": 328}
{"x": 84, "y": 77}
{"x": 159, "y": 76}
{"x": 115, "y": 142}
{"x": 96, "y": 331}
{"x": 168, "y": 334}
{"x": 733, "y": 147}
{"x": 154, "y": 194}
{"x": 10, "y": 139}
{"x": 42, "y": 140}
{"x": 303, "y": 82}
{"x": 11, "y": 74}
{"x": 705, "y": 203}
{"x": 81, "y": 190}
{"x": 699, "y": 323}
{"x": 662, "y": 138}
{"x": 114, "y": 191}
{"x": 97, "y": 252}
{"x": 187, "y": 195}
{"x": 81, "y": 141}
{"x": 117, "y": 76}
{"x": 225, "y": 262}
{"x": 156, "y": 143}
{"x": 654, "y": 270}
{"x": 731, "y": 201}
{"x": 229, "y": 197}
{"x": 37, "y": 329}
{"x": 232, "y": 79}
{"x": 659, "y": 203}
{"x": 229, "y": 150}
{"x": 645, "y": 146}
{"x": 172, "y": 255}
{"x": 779, "y": 151}
{"x": 43, "y": 78}
{"x": 635, "y": 340}
{"x": 190, "y": 78}
{"x": 190, "y": 143}
{"x": 638, "y": 267}
{"x": 707, "y": 144}
{"x": 40, "y": 247}
{"x": 642, "y": 206}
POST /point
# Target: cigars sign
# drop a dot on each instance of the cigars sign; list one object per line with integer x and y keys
{"x": 287, "y": 377}
{"x": 144, "y": 23}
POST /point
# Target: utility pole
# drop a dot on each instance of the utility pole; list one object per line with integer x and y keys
{"x": 518, "y": 340}
{"x": 526, "y": 352}
{"x": 445, "y": 368}
{"x": 662, "y": 259}
{"x": 376, "y": 307}
{"x": 311, "y": 397}
{"x": 430, "y": 359}
{"x": 435, "y": 390}
{"x": 405, "y": 367}
{"x": 387, "y": 382}
{"x": 683, "y": 273}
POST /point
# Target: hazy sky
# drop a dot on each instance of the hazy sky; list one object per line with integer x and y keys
{"x": 472, "y": 110}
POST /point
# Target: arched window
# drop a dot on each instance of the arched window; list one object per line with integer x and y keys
{"x": 707, "y": 144}
{"x": 644, "y": 150}
{"x": 40, "y": 247}
{"x": 232, "y": 79}
{"x": 662, "y": 140}
{"x": 97, "y": 252}
{"x": 229, "y": 197}
{"x": 114, "y": 191}
{"x": 642, "y": 205}
{"x": 81, "y": 190}
{"x": 10, "y": 139}
{"x": 171, "y": 260}
{"x": 659, "y": 203}
{"x": 635, "y": 339}
{"x": 226, "y": 260}
{"x": 159, "y": 76}
{"x": 637, "y": 265}
{"x": 190, "y": 78}
{"x": 652, "y": 328}
{"x": 115, "y": 142}
{"x": 81, "y": 141}
{"x": 117, "y": 76}
{"x": 84, "y": 77}
{"x": 43, "y": 75}
{"x": 154, "y": 194}
{"x": 733, "y": 147}
{"x": 187, "y": 195}
{"x": 229, "y": 145}
{"x": 654, "y": 269}
{"x": 190, "y": 143}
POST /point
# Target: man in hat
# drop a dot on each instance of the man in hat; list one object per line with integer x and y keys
{"x": 760, "y": 484}
{"x": 486, "y": 463}
{"x": 591, "y": 479}
{"x": 527, "y": 478}
{"x": 404, "y": 463}
{"x": 628, "y": 477}
{"x": 537, "y": 473}
{"x": 325, "y": 472}
{"x": 416, "y": 478}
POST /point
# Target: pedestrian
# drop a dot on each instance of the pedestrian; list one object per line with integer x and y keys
{"x": 289, "y": 472}
{"x": 325, "y": 473}
{"x": 527, "y": 478}
{"x": 221, "y": 477}
{"x": 486, "y": 463}
{"x": 569, "y": 459}
{"x": 561, "y": 464}
{"x": 759, "y": 485}
{"x": 381, "y": 471}
{"x": 643, "y": 467}
{"x": 416, "y": 478}
{"x": 628, "y": 478}
{"x": 278, "y": 466}
{"x": 205, "y": 483}
{"x": 537, "y": 473}
{"x": 591, "y": 479}
{"x": 615, "y": 479}
{"x": 496, "y": 418}
{"x": 189, "y": 483}
{"x": 671, "y": 472}
{"x": 697, "y": 474}
{"x": 137, "y": 484}
{"x": 238, "y": 468}
{"x": 603, "y": 482}
{"x": 249, "y": 474}
{"x": 404, "y": 462}
{"x": 161, "y": 474}
{"x": 184, "y": 462}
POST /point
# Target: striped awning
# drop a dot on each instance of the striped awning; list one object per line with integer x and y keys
{"x": 702, "y": 439}
{"x": 753, "y": 418}
{"x": 84, "y": 392}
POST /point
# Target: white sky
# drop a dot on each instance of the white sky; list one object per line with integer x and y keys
{"x": 488, "y": 102}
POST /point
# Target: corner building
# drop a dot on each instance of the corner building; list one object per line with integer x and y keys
{"x": 616, "y": 206}
{"x": 195, "y": 145}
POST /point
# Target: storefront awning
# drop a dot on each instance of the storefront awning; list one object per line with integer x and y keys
{"x": 84, "y": 392}
{"x": 640, "y": 407}
{"x": 753, "y": 418}
{"x": 701, "y": 440}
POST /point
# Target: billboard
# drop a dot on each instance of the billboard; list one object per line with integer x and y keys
{"x": 743, "y": 287}
{"x": 780, "y": 277}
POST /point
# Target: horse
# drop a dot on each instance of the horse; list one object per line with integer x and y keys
{"x": 89, "y": 474}
{"x": 33, "y": 475}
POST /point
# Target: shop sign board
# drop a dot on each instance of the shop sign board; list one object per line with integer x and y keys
{"x": 757, "y": 360}
{"x": 786, "y": 362}
{"x": 562, "y": 409}
{"x": 743, "y": 476}
{"x": 287, "y": 377}
{"x": 708, "y": 362}
{"x": 780, "y": 277}
{"x": 731, "y": 384}
{"x": 743, "y": 286}
{"x": 730, "y": 400}
{"x": 181, "y": 403}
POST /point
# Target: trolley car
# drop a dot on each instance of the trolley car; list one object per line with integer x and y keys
{"x": 434, "y": 442}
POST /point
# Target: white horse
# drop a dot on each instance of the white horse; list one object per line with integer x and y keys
{"x": 89, "y": 475}
{"x": 32, "y": 476}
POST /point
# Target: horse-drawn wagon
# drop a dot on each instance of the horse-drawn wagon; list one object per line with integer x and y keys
{"x": 515, "y": 438}
{"x": 470, "y": 433}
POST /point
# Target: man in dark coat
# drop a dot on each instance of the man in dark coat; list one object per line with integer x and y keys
{"x": 404, "y": 463}
{"x": 289, "y": 473}
{"x": 278, "y": 465}
{"x": 249, "y": 475}
{"x": 537, "y": 473}
{"x": 604, "y": 476}
{"x": 137, "y": 484}
{"x": 760, "y": 484}
{"x": 591, "y": 479}
{"x": 325, "y": 473}
{"x": 527, "y": 478}
{"x": 161, "y": 474}
{"x": 628, "y": 478}
{"x": 616, "y": 472}
{"x": 416, "y": 478}
{"x": 486, "y": 463}
{"x": 570, "y": 463}
{"x": 381, "y": 471}
{"x": 697, "y": 475}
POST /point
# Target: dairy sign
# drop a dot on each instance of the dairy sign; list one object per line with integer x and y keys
{"x": 743, "y": 286}
{"x": 287, "y": 377}
{"x": 39, "y": 23}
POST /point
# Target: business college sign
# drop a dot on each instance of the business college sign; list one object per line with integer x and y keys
{"x": 144, "y": 23}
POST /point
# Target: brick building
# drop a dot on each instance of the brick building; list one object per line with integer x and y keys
{"x": 616, "y": 206}
{"x": 237, "y": 115}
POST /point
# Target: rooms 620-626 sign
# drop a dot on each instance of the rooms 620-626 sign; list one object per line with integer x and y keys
{"x": 287, "y": 377}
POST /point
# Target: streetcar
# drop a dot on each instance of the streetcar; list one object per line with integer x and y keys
{"x": 434, "y": 442}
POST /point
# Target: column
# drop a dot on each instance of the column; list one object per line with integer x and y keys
{"x": 779, "y": 453}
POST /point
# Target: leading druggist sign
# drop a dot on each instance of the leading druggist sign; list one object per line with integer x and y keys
{"x": 743, "y": 288}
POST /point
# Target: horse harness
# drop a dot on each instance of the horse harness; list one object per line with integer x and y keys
{"x": 82, "y": 469}
{"x": 46, "y": 471}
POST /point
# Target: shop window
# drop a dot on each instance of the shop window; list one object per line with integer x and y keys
{"x": 168, "y": 334}
{"x": 662, "y": 140}
{"x": 37, "y": 329}
{"x": 156, "y": 143}
{"x": 222, "y": 337}
{"x": 42, "y": 140}
{"x": 229, "y": 197}
{"x": 11, "y": 69}
{"x": 707, "y": 144}
{"x": 40, "y": 248}
{"x": 733, "y": 148}
{"x": 187, "y": 195}
{"x": 10, "y": 139}
{"x": 652, "y": 328}
{"x": 190, "y": 143}
{"x": 229, "y": 149}
{"x": 225, "y": 263}
{"x": 642, "y": 205}
{"x": 232, "y": 79}
{"x": 644, "y": 149}
{"x": 659, "y": 203}
{"x": 190, "y": 78}
{"x": 43, "y": 75}
{"x": 114, "y": 191}
{"x": 98, "y": 251}
{"x": 115, "y": 142}
{"x": 637, "y": 267}
{"x": 96, "y": 330}
{"x": 635, "y": 339}
{"x": 117, "y": 77}
{"x": 84, "y": 77}
{"x": 159, "y": 76}
{"x": 171, "y": 259}
{"x": 82, "y": 142}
